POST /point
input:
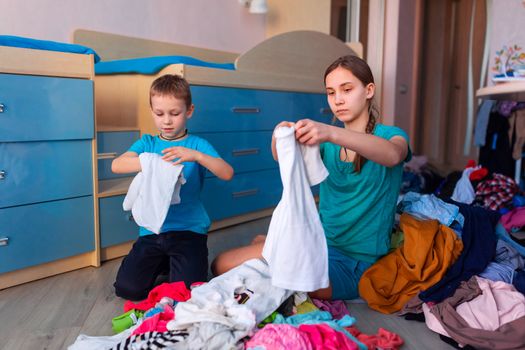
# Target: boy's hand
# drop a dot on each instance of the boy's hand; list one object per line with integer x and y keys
{"x": 182, "y": 153}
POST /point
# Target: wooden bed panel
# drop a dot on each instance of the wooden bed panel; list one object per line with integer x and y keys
{"x": 115, "y": 47}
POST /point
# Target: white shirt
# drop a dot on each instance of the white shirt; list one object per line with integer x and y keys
{"x": 153, "y": 190}
{"x": 295, "y": 247}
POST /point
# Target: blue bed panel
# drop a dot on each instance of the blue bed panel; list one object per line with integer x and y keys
{"x": 34, "y": 108}
{"x": 113, "y": 143}
{"x": 44, "y": 232}
{"x": 243, "y": 194}
{"x": 44, "y": 171}
{"x": 116, "y": 225}
{"x": 220, "y": 109}
{"x": 244, "y": 151}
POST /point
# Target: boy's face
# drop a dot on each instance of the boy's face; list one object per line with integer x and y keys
{"x": 170, "y": 115}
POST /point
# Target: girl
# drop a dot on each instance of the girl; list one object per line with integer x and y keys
{"x": 357, "y": 200}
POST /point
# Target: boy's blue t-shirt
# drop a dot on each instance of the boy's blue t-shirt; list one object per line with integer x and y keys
{"x": 189, "y": 214}
{"x": 357, "y": 209}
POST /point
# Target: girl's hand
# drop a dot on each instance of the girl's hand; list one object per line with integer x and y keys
{"x": 285, "y": 123}
{"x": 311, "y": 133}
{"x": 182, "y": 153}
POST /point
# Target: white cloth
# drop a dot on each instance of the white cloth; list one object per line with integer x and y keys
{"x": 464, "y": 192}
{"x": 295, "y": 247}
{"x": 223, "y": 311}
{"x": 84, "y": 342}
{"x": 153, "y": 190}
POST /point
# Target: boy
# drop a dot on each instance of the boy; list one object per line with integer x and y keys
{"x": 182, "y": 242}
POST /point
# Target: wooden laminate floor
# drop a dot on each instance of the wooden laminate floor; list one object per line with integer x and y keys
{"x": 52, "y": 312}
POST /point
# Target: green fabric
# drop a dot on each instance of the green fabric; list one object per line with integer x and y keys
{"x": 268, "y": 319}
{"x": 396, "y": 240}
{"x": 357, "y": 209}
{"x": 126, "y": 320}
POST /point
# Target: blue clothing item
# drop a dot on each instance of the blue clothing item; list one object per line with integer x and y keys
{"x": 519, "y": 281}
{"x": 518, "y": 201}
{"x": 479, "y": 248}
{"x": 502, "y": 234}
{"x": 189, "y": 214}
{"x": 482, "y": 121}
{"x": 28, "y": 43}
{"x": 506, "y": 261}
{"x": 152, "y": 65}
{"x": 317, "y": 317}
{"x": 357, "y": 209}
{"x": 428, "y": 206}
{"x": 153, "y": 311}
{"x": 344, "y": 273}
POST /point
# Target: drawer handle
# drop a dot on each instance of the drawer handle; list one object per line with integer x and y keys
{"x": 3, "y": 174}
{"x": 245, "y": 193}
{"x": 2, "y": 108}
{"x": 108, "y": 155}
{"x": 4, "y": 241}
{"x": 246, "y": 110}
{"x": 325, "y": 111}
{"x": 245, "y": 152}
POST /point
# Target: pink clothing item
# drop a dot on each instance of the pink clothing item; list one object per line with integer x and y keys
{"x": 384, "y": 339}
{"x": 176, "y": 291}
{"x": 514, "y": 219}
{"x": 156, "y": 322}
{"x": 323, "y": 337}
{"x": 497, "y": 304}
{"x": 337, "y": 308}
{"x": 279, "y": 337}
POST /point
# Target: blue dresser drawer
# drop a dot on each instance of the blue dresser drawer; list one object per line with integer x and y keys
{"x": 109, "y": 146}
{"x": 44, "y": 171}
{"x": 245, "y": 193}
{"x": 44, "y": 108}
{"x": 116, "y": 225}
{"x": 312, "y": 106}
{"x": 219, "y": 109}
{"x": 39, "y": 233}
{"x": 245, "y": 151}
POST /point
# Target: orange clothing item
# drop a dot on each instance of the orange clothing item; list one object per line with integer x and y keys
{"x": 429, "y": 249}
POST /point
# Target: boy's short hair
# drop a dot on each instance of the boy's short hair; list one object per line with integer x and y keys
{"x": 171, "y": 85}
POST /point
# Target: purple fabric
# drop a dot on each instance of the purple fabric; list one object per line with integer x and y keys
{"x": 336, "y": 307}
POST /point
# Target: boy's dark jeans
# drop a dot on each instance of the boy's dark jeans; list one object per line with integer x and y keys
{"x": 183, "y": 253}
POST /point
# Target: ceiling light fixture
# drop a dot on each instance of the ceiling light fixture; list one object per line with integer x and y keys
{"x": 255, "y": 6}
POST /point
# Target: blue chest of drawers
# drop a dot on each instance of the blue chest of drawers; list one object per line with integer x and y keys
{"x": 46, "y": 169}
{"x": 239, "y": 124}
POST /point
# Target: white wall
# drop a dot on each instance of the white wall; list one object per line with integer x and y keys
{"x": 214, "y": 24}
{"x": 508, "y": 18}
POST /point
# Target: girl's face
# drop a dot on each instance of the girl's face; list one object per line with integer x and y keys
{"x": 170, "y": 115}
{"x": 348, "y": 97}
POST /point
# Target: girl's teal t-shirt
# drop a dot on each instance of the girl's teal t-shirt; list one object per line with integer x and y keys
{"x": 357, "y": 209}
{"x": 189, "y": 214}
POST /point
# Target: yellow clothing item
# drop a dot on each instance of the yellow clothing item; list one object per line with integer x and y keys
{"x": 430, "y": 248}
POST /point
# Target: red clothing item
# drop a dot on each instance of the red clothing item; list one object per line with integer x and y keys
{"x": 479, "y": 174}
{"x": 156, "y": 322}
{"x": 382, "y": 340}
{"x": 176, "y": 291}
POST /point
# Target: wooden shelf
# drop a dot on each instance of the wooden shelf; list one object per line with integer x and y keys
{"x": 108, "y": 128}
{"x": 114, "y": 187}
{"x": 511, "y": 91}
